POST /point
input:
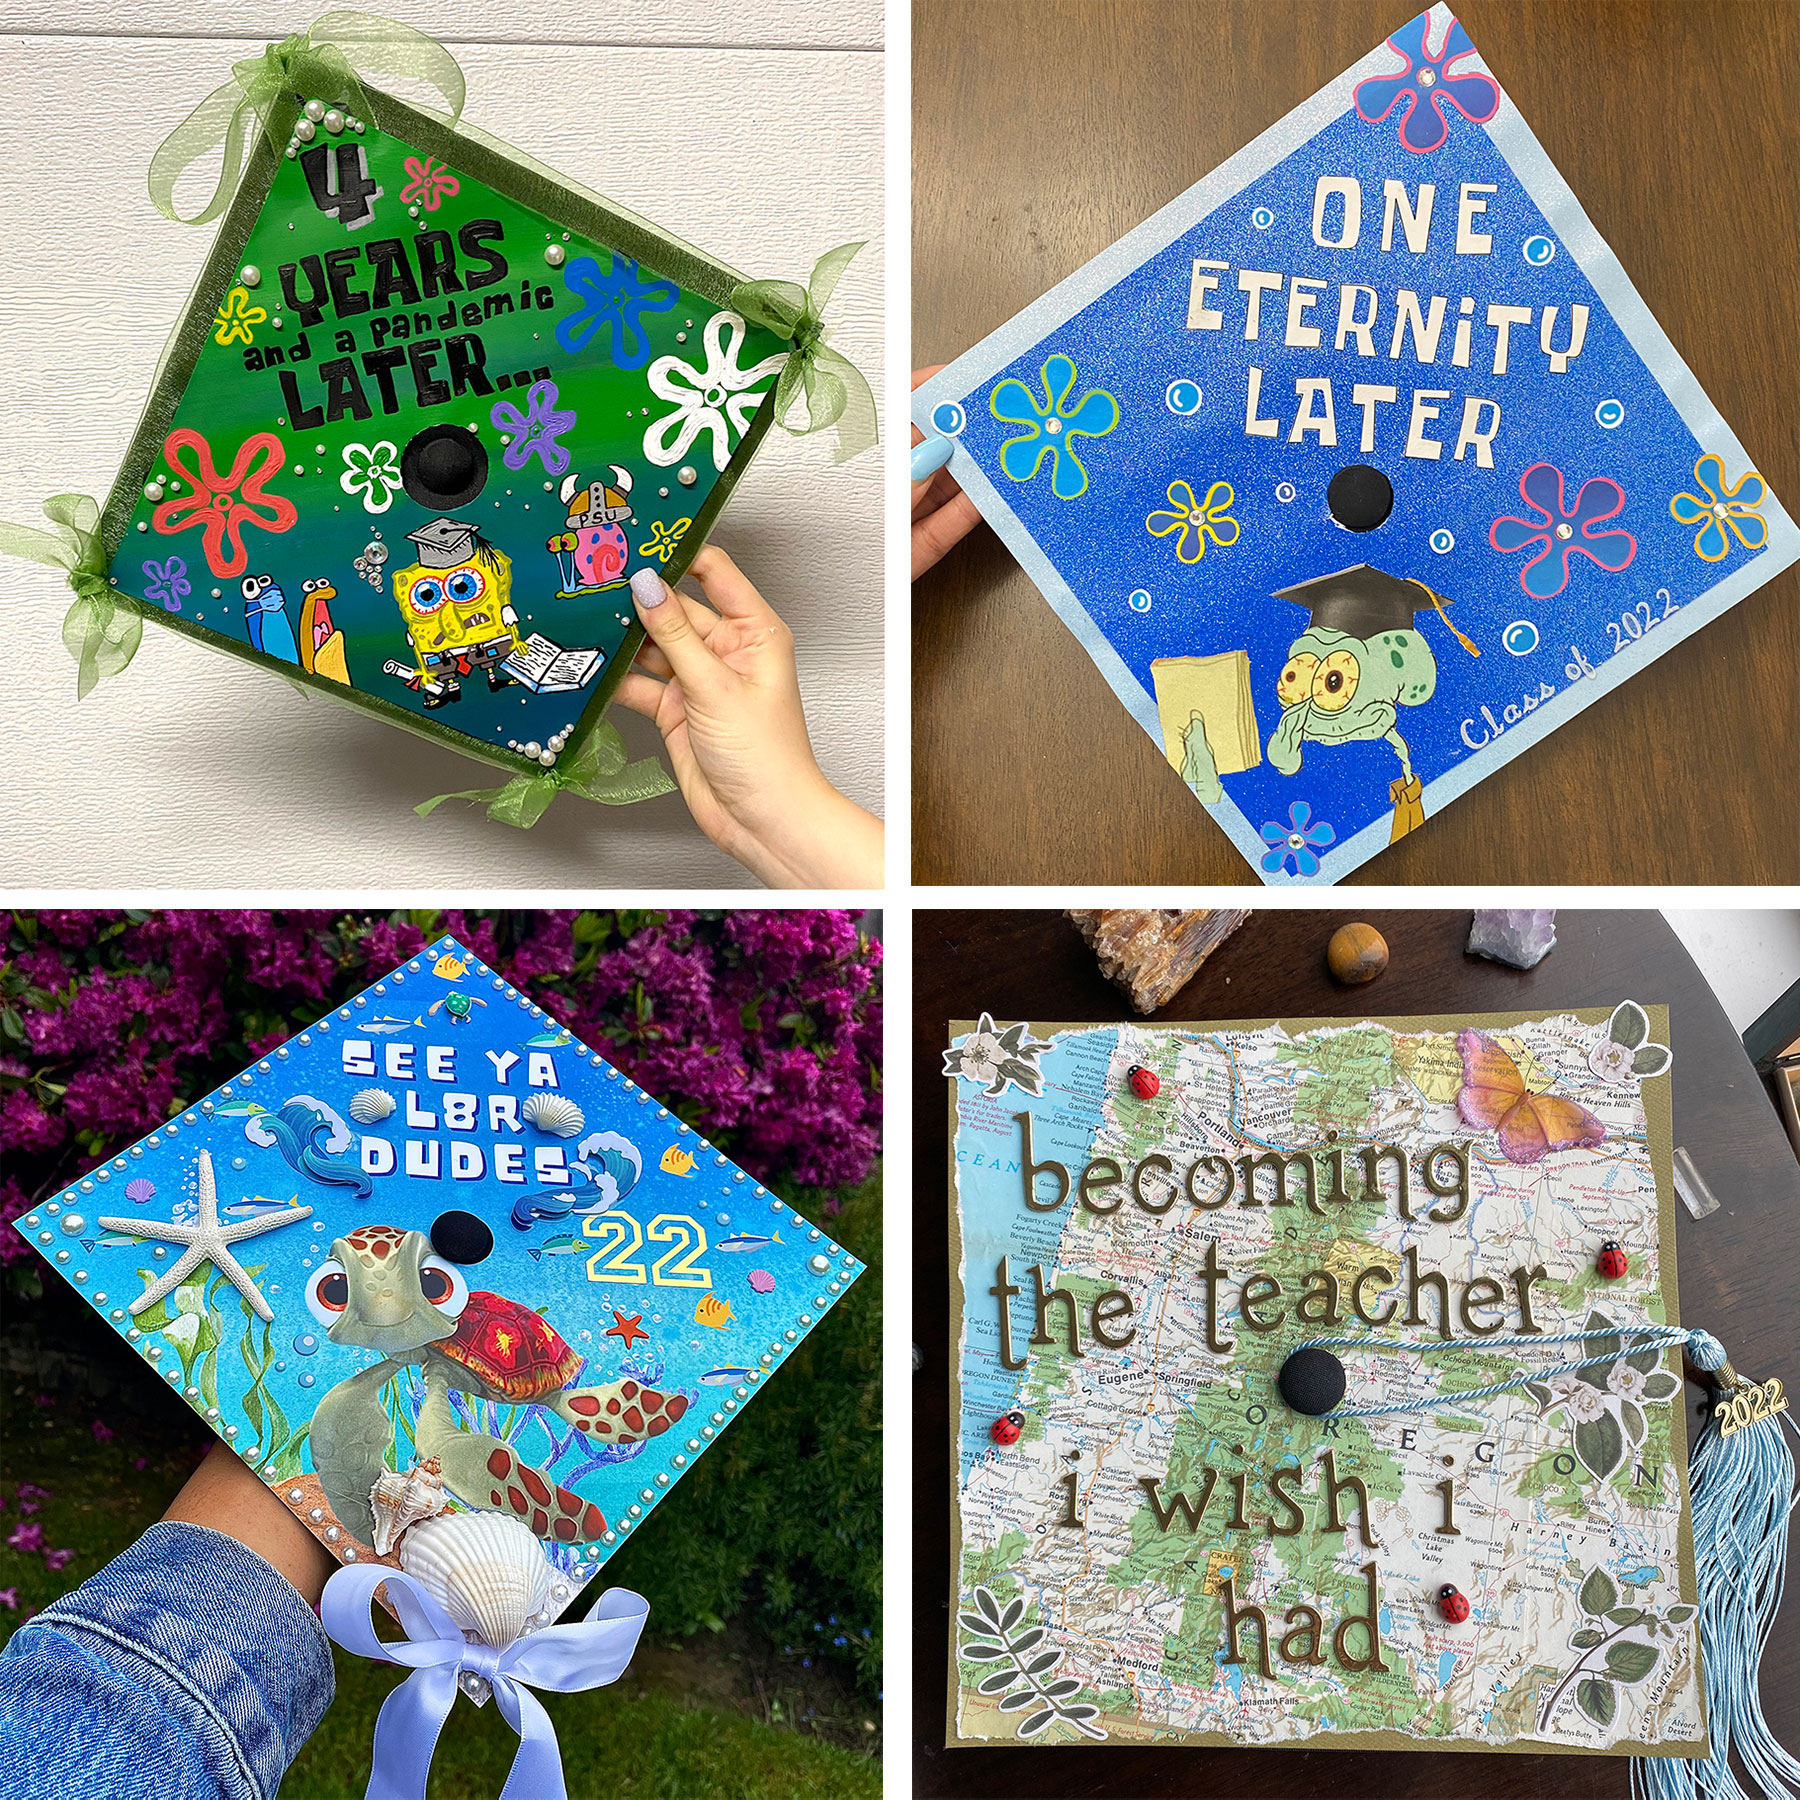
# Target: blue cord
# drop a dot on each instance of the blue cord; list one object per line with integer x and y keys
{"x": 1629, "y": 1338}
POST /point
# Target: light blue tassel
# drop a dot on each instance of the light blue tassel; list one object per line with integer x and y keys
{"x": 1743, "y": 1494}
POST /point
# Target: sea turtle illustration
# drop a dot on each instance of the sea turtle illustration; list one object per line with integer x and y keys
{"x": 460, "y": 1006}
{"x": 385, "y": 1289}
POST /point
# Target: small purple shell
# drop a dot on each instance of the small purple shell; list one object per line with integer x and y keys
{"x": 762, "y": 1281}
{"x": 140, "y": 1190}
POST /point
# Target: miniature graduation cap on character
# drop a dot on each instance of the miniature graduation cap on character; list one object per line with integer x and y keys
{"x": 1359, "y": 661}
{"x": 456, "y": 601}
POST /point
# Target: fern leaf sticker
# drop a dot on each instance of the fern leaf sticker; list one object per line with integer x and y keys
{"x": 1021, "y": 1668}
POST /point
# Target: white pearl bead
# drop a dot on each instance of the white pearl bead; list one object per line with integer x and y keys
{"x": 686, "y": 477}
{"x": 251, "y": 276}
{"x": 315, "y": 110}
{"x": 334, "y": 121}
{"x": 534, "y": 750}
{"x": 306, "y": 131}
{"x": 555, "y": 255}
{"x": 548, "y": 759}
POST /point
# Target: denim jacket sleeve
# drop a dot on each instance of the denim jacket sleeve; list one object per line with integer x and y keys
{"x": 186, "y": 1668}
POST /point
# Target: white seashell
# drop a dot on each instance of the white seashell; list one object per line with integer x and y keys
{"x": 400, "y": 1501}
{"x": 369, "y": 1106}
{"x": 487, "y": 1570}
{"x": 554, "y": 1114}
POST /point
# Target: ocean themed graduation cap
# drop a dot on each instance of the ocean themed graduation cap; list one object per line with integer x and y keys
{"x": 1383, "y": 333}
{"x": 436, "y": 1256}
{"x": 408, "y": 334}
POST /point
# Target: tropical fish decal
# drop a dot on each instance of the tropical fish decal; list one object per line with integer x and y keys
{"x": 714, "y": 1312}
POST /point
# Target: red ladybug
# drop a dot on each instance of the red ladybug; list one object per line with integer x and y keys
{"x": 1611, "y": 1261}
{"x": 1452, "y": 1604}
{"x": 1006, "y": 1428}
{"x": 1144, "y": 1083}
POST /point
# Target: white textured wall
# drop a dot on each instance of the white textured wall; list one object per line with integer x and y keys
{"x": 1749, "y": 959}
{"x": 754, "y": 130}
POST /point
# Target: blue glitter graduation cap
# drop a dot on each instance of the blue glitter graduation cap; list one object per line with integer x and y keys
{"x": 435, "y": 1251}
{"x": 1383, "y": 334}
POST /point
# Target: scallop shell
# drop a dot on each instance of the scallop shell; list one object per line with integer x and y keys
{"x": 400, "y": 1501}
{"x": 369, "y": 1106}
{"x": 487, "y": 1570}
{"x": 554, "y": 1114}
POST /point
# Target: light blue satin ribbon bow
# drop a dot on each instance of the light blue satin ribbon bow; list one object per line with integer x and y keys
{"x": 562, "y": 1658}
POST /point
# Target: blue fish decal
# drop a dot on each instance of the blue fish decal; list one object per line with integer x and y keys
{"x": 725, "y": 1377}
{"x": 115, "y": 1240}
{"x": 559, "y": 1246}
{"x": 745, "y": 1240}
{"x": 254, "y": 1206}
{"x": 239, "y": 1109}
{"x": 549, "y": 1040}
{"x": 387, "y": 1023}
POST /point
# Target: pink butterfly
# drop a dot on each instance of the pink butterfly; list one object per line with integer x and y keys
{"x": 1494, "y": 1095}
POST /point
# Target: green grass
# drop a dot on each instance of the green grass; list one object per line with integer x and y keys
{"x": 617, "y": 1743}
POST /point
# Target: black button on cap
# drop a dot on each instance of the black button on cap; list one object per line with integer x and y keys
{"x": 1311, "y": 1381}
{"x": 444, "y": 467}
{"x": 1360, "y": 497}
{"x": 460, "y": 1237}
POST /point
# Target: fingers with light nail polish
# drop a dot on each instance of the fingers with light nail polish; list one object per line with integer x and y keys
{"x": 929, "y": 456}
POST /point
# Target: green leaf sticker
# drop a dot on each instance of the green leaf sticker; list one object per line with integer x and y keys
{"x": 1597, "y": 1699}
{"x": 1631, "y": 1662}
{"x": 1600, "y": 1444}
{"x": 1598, "y": 1595}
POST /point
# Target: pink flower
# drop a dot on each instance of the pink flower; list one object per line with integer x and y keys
{"x": 9, "y": 1597}
{"x": 431, "y": 182}
{"x": 27, "y": 1537}
{"x": 102, "y": 1432}
{"x": 142, "y": 1462}
{"x": 29, "y": 1490}
{"x": 56, "y": 1560}
{"x": 27, "y": 1507}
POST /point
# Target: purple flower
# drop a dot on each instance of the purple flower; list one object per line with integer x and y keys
{"x": 1298, "y": 838}
{"x": 536, "y": 432}
{"x": 1422, "y": 87}
{"x": 9, "y": 1597}
{"x": 1556, "y": 528}
{"x": 615, "y": 299}
{"x": 166, "y": 583}
{"x": 55, "y": 1560}
{"x": 27, "y": 1537}
{"x": 103, "y": 1433}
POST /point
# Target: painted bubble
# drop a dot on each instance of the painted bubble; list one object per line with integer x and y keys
{"x": 1609, "y": 415}
{"x": 306, "y": 1344}
{"x": 1138, "y": 600}
{"x": 308, "y": 1379}
{"x": 1520, "y": 637}
{"x": 1538, "y": 250}
{"x": 949, "y": 418}
{"x": 1183, "y": 397}
{"x": 1262, "y": 218}
{"x": 1443, "y": 541}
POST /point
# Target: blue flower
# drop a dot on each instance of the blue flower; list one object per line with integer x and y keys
{"x": 1561, "y": 531}
{"x": 1052, "y": 425}
{"x": 615, "y": 299}
{"x": 1298, "y": 838}
{"x": 166, "y": 583}
{"x": 1422, "y": 87}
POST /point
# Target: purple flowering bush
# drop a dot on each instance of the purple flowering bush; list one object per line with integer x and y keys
{"x": 762, "y": 1029}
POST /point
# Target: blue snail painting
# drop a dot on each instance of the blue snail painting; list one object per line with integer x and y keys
{"x": 1361, "y": 466}
{"x": 434, "y": 1255}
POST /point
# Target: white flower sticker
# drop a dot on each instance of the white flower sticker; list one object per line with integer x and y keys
{"x": 1625, "y": 1050}
{"x": 996, "y": 1059}
{"x": 373, "y": 471}
{"x": 716, "y": 399}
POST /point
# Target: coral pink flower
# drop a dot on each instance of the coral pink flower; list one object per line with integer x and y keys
{"x": 431, "y": 183}
{"x": 222, "y": 505}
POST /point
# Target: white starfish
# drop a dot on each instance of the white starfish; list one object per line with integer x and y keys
{"x": 207, "y": 1240}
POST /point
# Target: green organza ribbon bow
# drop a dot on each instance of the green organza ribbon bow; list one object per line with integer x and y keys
{"x": 836, "y": 394}
{"x": 323, "y": 62}
{"x": 596, "y": 770}
{"x": 101, "y": 634}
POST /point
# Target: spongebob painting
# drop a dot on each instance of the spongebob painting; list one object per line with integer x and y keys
{"x": 456, "y": 602}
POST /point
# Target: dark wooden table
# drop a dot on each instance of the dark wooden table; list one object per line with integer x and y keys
{"x": 1739, "y": 1272}
{"x": 1043, "y": 130}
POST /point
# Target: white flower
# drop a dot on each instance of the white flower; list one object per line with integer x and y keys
{"x": 1585, "y": 1404}
{"x": 981, "y": 1058}
{"x": 373, "y": 471}
{"x": 714, "y": 399}
{"x": 1611, "y": 1061}
{"x": 1625, "y": 1381}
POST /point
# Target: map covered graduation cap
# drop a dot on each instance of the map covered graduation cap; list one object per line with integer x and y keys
{"x": 407, "y": 329}
{"x": 434, "y": 1256}
{"x": 1383, "y": 334}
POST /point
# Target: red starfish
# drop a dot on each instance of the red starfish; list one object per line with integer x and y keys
{"x": 629, "y": 1329}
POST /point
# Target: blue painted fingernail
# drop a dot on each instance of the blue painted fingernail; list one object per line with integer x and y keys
{"x": 647, "y": 588}
{"x": 929, "y": 456}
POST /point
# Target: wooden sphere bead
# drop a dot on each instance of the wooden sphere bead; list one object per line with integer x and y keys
{"x": 1357, "y": 953}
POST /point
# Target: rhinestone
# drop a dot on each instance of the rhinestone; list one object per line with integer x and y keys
{"x": 332, "y": 1534}
{"x": 62, "y": 1256}
{"x": 212, "y": 1412}
{"x": 316, "y": 1513}
{"x": 350, "y": 1553}
{"x": 296, "y": 1495}
{"x": 154, "y": 1352}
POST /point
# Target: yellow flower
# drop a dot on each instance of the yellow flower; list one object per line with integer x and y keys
{"x": 663, "y": 539}
{"x": 236, "y": 317}
{"x": 1196, "y": 519}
